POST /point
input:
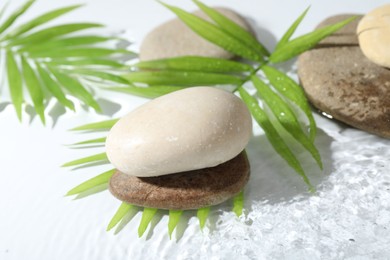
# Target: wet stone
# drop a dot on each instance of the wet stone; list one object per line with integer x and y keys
{"x": 187, "y": 190}
{"x": 339, "y": 80}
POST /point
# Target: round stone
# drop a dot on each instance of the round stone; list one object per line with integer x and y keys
{"x": 174, "y": 38}
{"x": 340, "y": 81}
{"x": 181, "y": 191}
{"x": 185, "y": 130}
{"x": 374, "y": 35}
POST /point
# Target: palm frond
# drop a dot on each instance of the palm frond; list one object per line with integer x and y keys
{"x": 52, "y": 60}
{"x": 154, "y": 78}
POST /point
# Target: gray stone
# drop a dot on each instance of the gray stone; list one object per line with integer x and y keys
{"x": 340, "y": 81}
{"x": 188, "y": 190}
{"x": 174, "y": 38}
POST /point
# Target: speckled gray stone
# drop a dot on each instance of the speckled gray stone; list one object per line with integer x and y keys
{"x": 174, "y": 38}
{"x": 187, "y": 190}
{"x": 340, "y": 81}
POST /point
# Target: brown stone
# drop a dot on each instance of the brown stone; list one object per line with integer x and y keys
{"x": 340, "y": 81}
{"x": 174, "y": 38}
{"x": 186, "y": 190}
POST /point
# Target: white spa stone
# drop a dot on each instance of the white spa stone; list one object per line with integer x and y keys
{"x": 185, "y": 130}
{"x": 374, "y": 35}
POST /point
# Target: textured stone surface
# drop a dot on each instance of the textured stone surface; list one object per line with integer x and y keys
{"x": 187, "y": 190}
{"x": 340, "y": 81}
{"x": 374, "y": 35}
{"x": 190, "y": 129}
{"x": 174, "y": 38}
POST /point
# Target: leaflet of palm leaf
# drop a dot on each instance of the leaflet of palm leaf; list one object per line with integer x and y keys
{"x": 125, "y": 208}
{"x": 53, "y": 61}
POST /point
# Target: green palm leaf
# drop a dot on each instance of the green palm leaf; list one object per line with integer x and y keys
{"x": 54, "y": 87}
{"x": 98, "y": 126}
{"x": 174, "y": 218}
{"x": 291, "y": 90}
{"x": 91, "y": 183}
{"x": 75, "y": 88}
{"x": 34, "y": 88}
{"x": 91, "y": 142}
{"x": 51, "y": 32}
{"x": 119, "y": 215}
{"x": 273, "y": 136}
{"x": 3, "y": 9}
{"x": 86, "y": 62}
{"x": 147, "y": 217}
{"x": 167, "y": 75}
{"x": 101, "y": 157}
{"x": 15, "y": 83}
{"x": 146, "y": 92}
{"x": 76, "y": 52}
{"x": 305, "y": 42}
{"x": 286, "y": 117}
{"x": 202, "y": 215}
{"x": 52, "y": 61}
{"x": 195, "y": 63}
{"x": 15, "y": 15}
{"x": 41, "y": 20}
{"x": 71, "y": 42}
{"x": 238, "y": 204}
{"x": 233, "y": 29}
{"x": 105, "y": 76}
{"x": 215, "y": 34}
{"x": 286, "y": 37}
{"x": 181, "y": 78}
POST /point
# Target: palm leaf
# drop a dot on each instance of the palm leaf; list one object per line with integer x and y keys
{"x": 15, "y": 15}
{"x": 215, "y": 34}
{"x": 91, "y": 142}
{"x": 77, "y": 52}
{"x": 238, "y": 204}
{"x": 181, "y": 78}
{"x": 291, "y": 90}
{"x": 47, "y": 52}
{"x": 75, "y": 88}
{"x": 286, "y": 117}
{"x": 41, "y": 20}
{"x": 101, "y": 157}
{"x": 147, "y": 217}
{"x": 174, "y": 218}
{"x": 86, "y": 62}
{"x": 146, "y": 92}
{"x": 105, "y": 76}
{"x": 51, "y": 33}
{"x": 91, "y": 183}
{"x": 273, "y": 136}
{"x": 72, "y": 42}
{"x": 3, "y": 9}
{"x": 305, "y": 42}
{"x": 98, "y": 126}
{"x": 34, "y": 88}
{"x": 286, "y": 37}
{"x": 119, "y": 215}
{"x": 54, "y": 87}
{"x": 233, "y": 29}
{"x": 195, "y": 63}
{"x": 15, "y": 83}
{"x": 202, "y": 215}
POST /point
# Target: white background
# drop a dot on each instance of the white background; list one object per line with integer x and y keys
{"x": 38, "y": 222}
